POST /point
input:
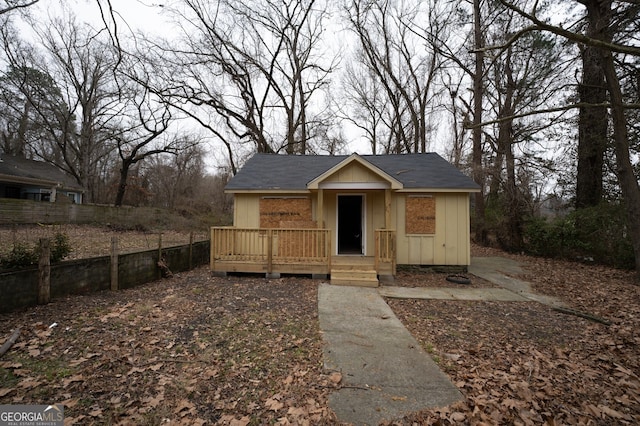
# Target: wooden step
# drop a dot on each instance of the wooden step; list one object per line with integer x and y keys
{"x": 354, "y": 277}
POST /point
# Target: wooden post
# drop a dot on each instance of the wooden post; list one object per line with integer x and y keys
{"x": 44, "y": 272}
{"x": 320, "y": 209}
{"x": 387, "y": 209}
{"x": 212, "y": 244}
{"x": 159, "y": 254}
{"x": 114, "y": 263}
{"x": 269, "y": 251}
{"x": 191, "y": 250}
{"x": 376, "y": 254}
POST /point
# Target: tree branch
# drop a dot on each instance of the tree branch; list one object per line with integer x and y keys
{"x": 548, "y": 110}
{"x": 570, "y": 35}
{"x": 17, "y": 6}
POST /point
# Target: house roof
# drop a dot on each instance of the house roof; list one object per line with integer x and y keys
{"x": 271, "y": 172}
{"x": 15, "y": 169}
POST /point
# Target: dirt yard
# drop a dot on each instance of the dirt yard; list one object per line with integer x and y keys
{"x": 197, "y": 349}
{"x": 91, "y": 241}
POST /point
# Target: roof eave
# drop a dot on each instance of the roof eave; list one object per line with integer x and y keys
{"x": 265, "y": 191}
{"x": 394, "y": 183}
{"x": 440, "y": 190}
{"x": 29, "y": 181}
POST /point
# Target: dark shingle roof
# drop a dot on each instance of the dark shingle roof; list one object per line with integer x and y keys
{"x": 21, "y": 167}
{"x": 294, "y": 172}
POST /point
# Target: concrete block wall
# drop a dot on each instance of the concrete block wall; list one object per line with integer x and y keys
{"x": 19, "y": 289}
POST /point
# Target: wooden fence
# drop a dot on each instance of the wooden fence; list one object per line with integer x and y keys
{"x": 25, "y": 288}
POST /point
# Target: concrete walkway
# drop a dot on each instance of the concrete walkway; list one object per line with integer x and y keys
{"x": 386, "y": 374}
{"x": 446, "y": 293}
{"x": 500, "y": 271}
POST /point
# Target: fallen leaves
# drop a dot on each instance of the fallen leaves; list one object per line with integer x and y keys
{"x": 193, "y": 350}
{"x": 245, "y": 350}
{"x": 524, "y": 363}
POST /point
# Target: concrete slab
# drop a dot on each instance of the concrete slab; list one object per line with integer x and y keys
{"x": 386, "y": 374}
{"x": 498, "y": 294}
{"x": 501, "y": 271}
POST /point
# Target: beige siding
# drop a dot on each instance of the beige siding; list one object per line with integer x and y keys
{"x": 354, "y": 172}
{"x": 449, "y": 245}
{"x": 374, "y": 218}
{"x": 246, "y": 211}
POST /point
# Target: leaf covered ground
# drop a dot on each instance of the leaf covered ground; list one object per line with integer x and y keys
{"x": 197, "y": 349}
{"x": 527, "y": 364}
{"x": 194, "y": 349}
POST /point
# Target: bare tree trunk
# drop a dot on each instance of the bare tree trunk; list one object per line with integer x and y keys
{"x": 626, "y": 176}
{"x": 478, "y": 172}
{"x": 122, "y": 185}
{"x": 600, "y": 12}
{"x": 592, "y": 121}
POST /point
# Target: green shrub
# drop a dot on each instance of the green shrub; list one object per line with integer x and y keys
{"x": 595, "y": 234}
{"x": 22, "y": 256}
{"x": 61, "y": 247}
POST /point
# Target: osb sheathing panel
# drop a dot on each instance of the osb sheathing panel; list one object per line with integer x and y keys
{"x": 420, "y": 215}
{"x": 273, "y": 211}
{"x": 298, "y": 224}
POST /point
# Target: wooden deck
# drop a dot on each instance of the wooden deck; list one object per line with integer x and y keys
{"x": 298, "y": 251}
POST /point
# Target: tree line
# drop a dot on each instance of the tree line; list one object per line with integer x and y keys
{"x": 537, "y": 101}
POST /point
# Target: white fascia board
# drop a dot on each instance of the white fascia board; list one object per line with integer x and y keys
{"x": 414, "y": 190}
{"x": 354, "y": 185}
{"x": 267, "y": 191}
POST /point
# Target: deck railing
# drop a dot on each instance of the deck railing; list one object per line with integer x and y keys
{"x": 261, "y": 249}
{"x": 287, "y": 250}
{"x": 385, "y": 249}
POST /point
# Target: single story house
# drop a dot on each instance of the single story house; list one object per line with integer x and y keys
{"x": 354, "y": 217}
{"x": 36, "y": 180}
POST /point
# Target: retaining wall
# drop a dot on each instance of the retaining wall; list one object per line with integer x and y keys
{"x": 19, "y": 289}
{"x": 28, "y": 211}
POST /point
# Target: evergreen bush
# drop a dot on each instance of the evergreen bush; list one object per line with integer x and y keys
{"x": 23, "y": 256}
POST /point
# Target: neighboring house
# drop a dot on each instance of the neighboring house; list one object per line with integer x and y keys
{"x": 36, "y": 180}
{"x": 351, "y": 217}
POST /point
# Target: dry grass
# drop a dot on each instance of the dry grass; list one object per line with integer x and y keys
{"x": 91, "y": 241}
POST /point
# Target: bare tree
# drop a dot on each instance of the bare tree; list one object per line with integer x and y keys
{"x": 249, "y": 71}
{"x": 77, "y": 139}
{"x": 601, "y": 11}
{"x": 478, "y": 92}
{"x": 403, "y": 64}
{"x": 526, "y": 76}
{"x": 593, "y": 120}
{"x": 139, "y": 134}
{"x": 176, "y": 180}
{"x": 367, "y": 108}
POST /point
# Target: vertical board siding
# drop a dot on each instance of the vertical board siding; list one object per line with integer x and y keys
{"x": 449, "y": 245}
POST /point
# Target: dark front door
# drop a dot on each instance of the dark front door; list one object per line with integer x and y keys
{"x": 349, "y": 224}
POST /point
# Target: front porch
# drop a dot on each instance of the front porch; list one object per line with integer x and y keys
{"x": 275, "y": 251}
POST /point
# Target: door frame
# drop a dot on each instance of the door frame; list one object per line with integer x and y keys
{"x": 363, "y": 222}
